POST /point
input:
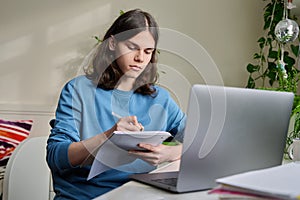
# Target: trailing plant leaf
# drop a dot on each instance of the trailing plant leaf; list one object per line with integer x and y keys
{"x": 295, "y": 49}
{"x": 257, "y": 56}
{"x": 268, "y": 71}
{"x": 273, "y": 54}
{"x": 98, "y": 39}
{"x": 261, "y": 41}
{"x": 251, "y": 83}
{"x": 122, "y": 12}
{"x": 252, "y": 68}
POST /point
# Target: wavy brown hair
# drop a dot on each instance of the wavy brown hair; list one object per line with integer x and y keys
{"x": 105, "y": 71}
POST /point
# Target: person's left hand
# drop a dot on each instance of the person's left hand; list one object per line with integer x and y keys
{"x": 156, "y": 155}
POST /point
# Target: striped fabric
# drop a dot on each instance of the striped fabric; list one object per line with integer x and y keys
{"x": 11, "y": 134}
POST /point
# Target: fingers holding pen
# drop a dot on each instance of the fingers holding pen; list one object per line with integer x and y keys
{"x": 141, "y": 127}
{"x": 132, "y": 124}
{"x": 136, "y": 123}
{"x": 129, "y": 123}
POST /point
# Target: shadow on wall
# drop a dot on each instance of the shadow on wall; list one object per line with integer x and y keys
{"x": 40, "y": 50}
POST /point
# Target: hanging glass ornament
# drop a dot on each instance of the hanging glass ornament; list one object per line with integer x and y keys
{"x": 286, "y": 30}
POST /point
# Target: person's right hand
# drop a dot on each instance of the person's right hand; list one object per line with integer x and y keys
{"x": 129, "y": 123}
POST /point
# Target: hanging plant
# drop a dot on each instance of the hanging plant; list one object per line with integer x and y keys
{"x": 275, "y": 66}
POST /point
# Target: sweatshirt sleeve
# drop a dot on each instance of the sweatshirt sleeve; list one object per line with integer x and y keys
{"x": 65, "y": 129}
{"x": 177, "y": 120}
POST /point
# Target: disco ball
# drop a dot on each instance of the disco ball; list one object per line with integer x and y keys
{"x": 286, "y": 30}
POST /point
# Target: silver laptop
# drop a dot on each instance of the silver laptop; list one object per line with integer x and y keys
{"x": 228, "y": 131}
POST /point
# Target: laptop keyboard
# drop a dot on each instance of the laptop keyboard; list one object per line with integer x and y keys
{"x": 167, "y": 181}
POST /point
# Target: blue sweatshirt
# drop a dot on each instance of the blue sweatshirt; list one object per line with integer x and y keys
{"x": 84, "y": 111}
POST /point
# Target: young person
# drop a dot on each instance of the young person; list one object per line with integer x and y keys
{"x": 117, "y": 93}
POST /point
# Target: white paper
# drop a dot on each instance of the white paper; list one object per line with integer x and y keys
{"x": 111, "y": 156}
{"x": 283, "y": 180}
{"x": 108, "y": 157}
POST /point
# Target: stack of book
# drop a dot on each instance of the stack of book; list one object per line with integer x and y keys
{"x": 280, "y": 182}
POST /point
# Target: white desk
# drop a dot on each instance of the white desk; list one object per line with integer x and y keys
{"x": 135, "y": 190}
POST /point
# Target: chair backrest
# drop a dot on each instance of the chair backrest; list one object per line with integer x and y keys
{"x": 27, "y": 175}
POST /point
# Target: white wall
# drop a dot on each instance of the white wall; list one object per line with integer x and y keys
{"x": 42, "y": 43}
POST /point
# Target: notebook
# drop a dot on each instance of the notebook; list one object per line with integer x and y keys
{"x": 279, "y": 182}
{"x": 228, "y": 131}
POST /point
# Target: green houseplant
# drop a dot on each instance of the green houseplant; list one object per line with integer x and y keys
{"x": 268, "y": 71}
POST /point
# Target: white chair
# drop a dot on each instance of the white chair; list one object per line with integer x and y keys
{"x": 27, "y": 175}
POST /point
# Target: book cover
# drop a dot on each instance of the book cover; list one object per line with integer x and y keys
{"x": 280, "y": 182}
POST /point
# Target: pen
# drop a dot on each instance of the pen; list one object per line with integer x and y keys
{"x": 116, "y": 115}
{"x": 119, "y": 116}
